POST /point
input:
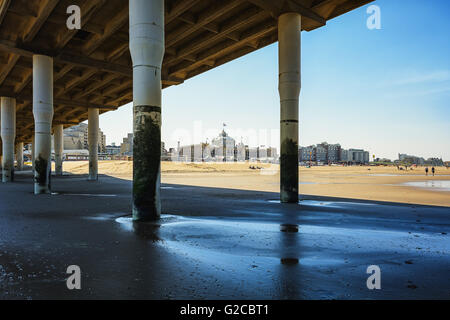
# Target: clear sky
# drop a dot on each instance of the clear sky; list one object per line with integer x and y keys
{"x": 387, "y": 91}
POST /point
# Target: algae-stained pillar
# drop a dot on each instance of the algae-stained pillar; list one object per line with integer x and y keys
{"x": 1, "y": 144}
{"x": 43, "y": 116}
{"x": 93, "y": 143}
{"x": 19, "y": 156}
{"x": 147, "y": 51}
{"x": 8, "y": 133}
{"x": 289, "y": 29}
{"x": 58, "y": 146}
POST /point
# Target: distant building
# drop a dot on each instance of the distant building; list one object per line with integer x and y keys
{"x": 126, "y": 148}
{"x": 307, "y": 154}
{"x": 223, "y": 149}
{"x": 334, "y": 153}
{"x": 267, "y": 154}
{"x": 200, "y": 152}
{"x": 434, "y": 162}
{"x": 358, "y": 156}
{"x": 113, "y": 149}
{"x": 242, "y": 153}
{"x": 76, "y": 138}
{"x": 101, "y": 142}
{"x": 331, "y": 153}
{"x": 344, "y": 156}
{"x": 262, "y": 154}
{"x": 321, "y": 153}
{"x": 411, "y": 159}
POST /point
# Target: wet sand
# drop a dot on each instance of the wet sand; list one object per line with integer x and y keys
{"x": 213, "y": 243}
{"x": 365, "y": 183}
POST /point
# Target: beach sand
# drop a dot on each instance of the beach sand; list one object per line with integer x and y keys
{"x": 356, "y": 182}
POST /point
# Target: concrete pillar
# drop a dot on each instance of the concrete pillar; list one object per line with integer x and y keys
{"x": 33, "y": 145}
{"x": 289, "y": 29}
{"x": 58, "y": 146}
{"x": 19, "y": 156}
{"x": 1, "y": 143}
{"x": 43, "y": 116}
{"x": 147, "y": 52}
{"x": 8, "y": 133}
{"x": 93, "y": 143}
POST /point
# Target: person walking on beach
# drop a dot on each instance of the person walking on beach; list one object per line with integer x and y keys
{"x": 433, "y": 171}
{"x": 426, "y": 171}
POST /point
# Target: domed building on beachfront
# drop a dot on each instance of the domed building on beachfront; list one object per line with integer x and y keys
{"x": 223, "y": 147}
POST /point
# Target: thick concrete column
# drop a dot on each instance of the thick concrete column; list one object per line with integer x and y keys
{"x": 8, "y": 132}
{"x": 289, "y": 29}
{"x": 19, "y": 156}
{"x": 33, "y": 152}
{"x": 43, "y": 116}
{"x": 147, "y": 52}
{"x": 58, "y": 146}
{"x": 93, "y": 143}
{"x": 1, "y": 143}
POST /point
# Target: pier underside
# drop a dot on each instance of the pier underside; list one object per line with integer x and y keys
{"x": 92, "y": 66}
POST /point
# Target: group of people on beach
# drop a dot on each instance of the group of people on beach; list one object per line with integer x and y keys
{"x": 432, "y": 171}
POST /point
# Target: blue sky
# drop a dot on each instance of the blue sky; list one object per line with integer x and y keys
{"x": 387, "y": 91}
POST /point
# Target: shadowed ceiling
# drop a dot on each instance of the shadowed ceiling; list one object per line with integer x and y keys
{"x": 92, "y": 66}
